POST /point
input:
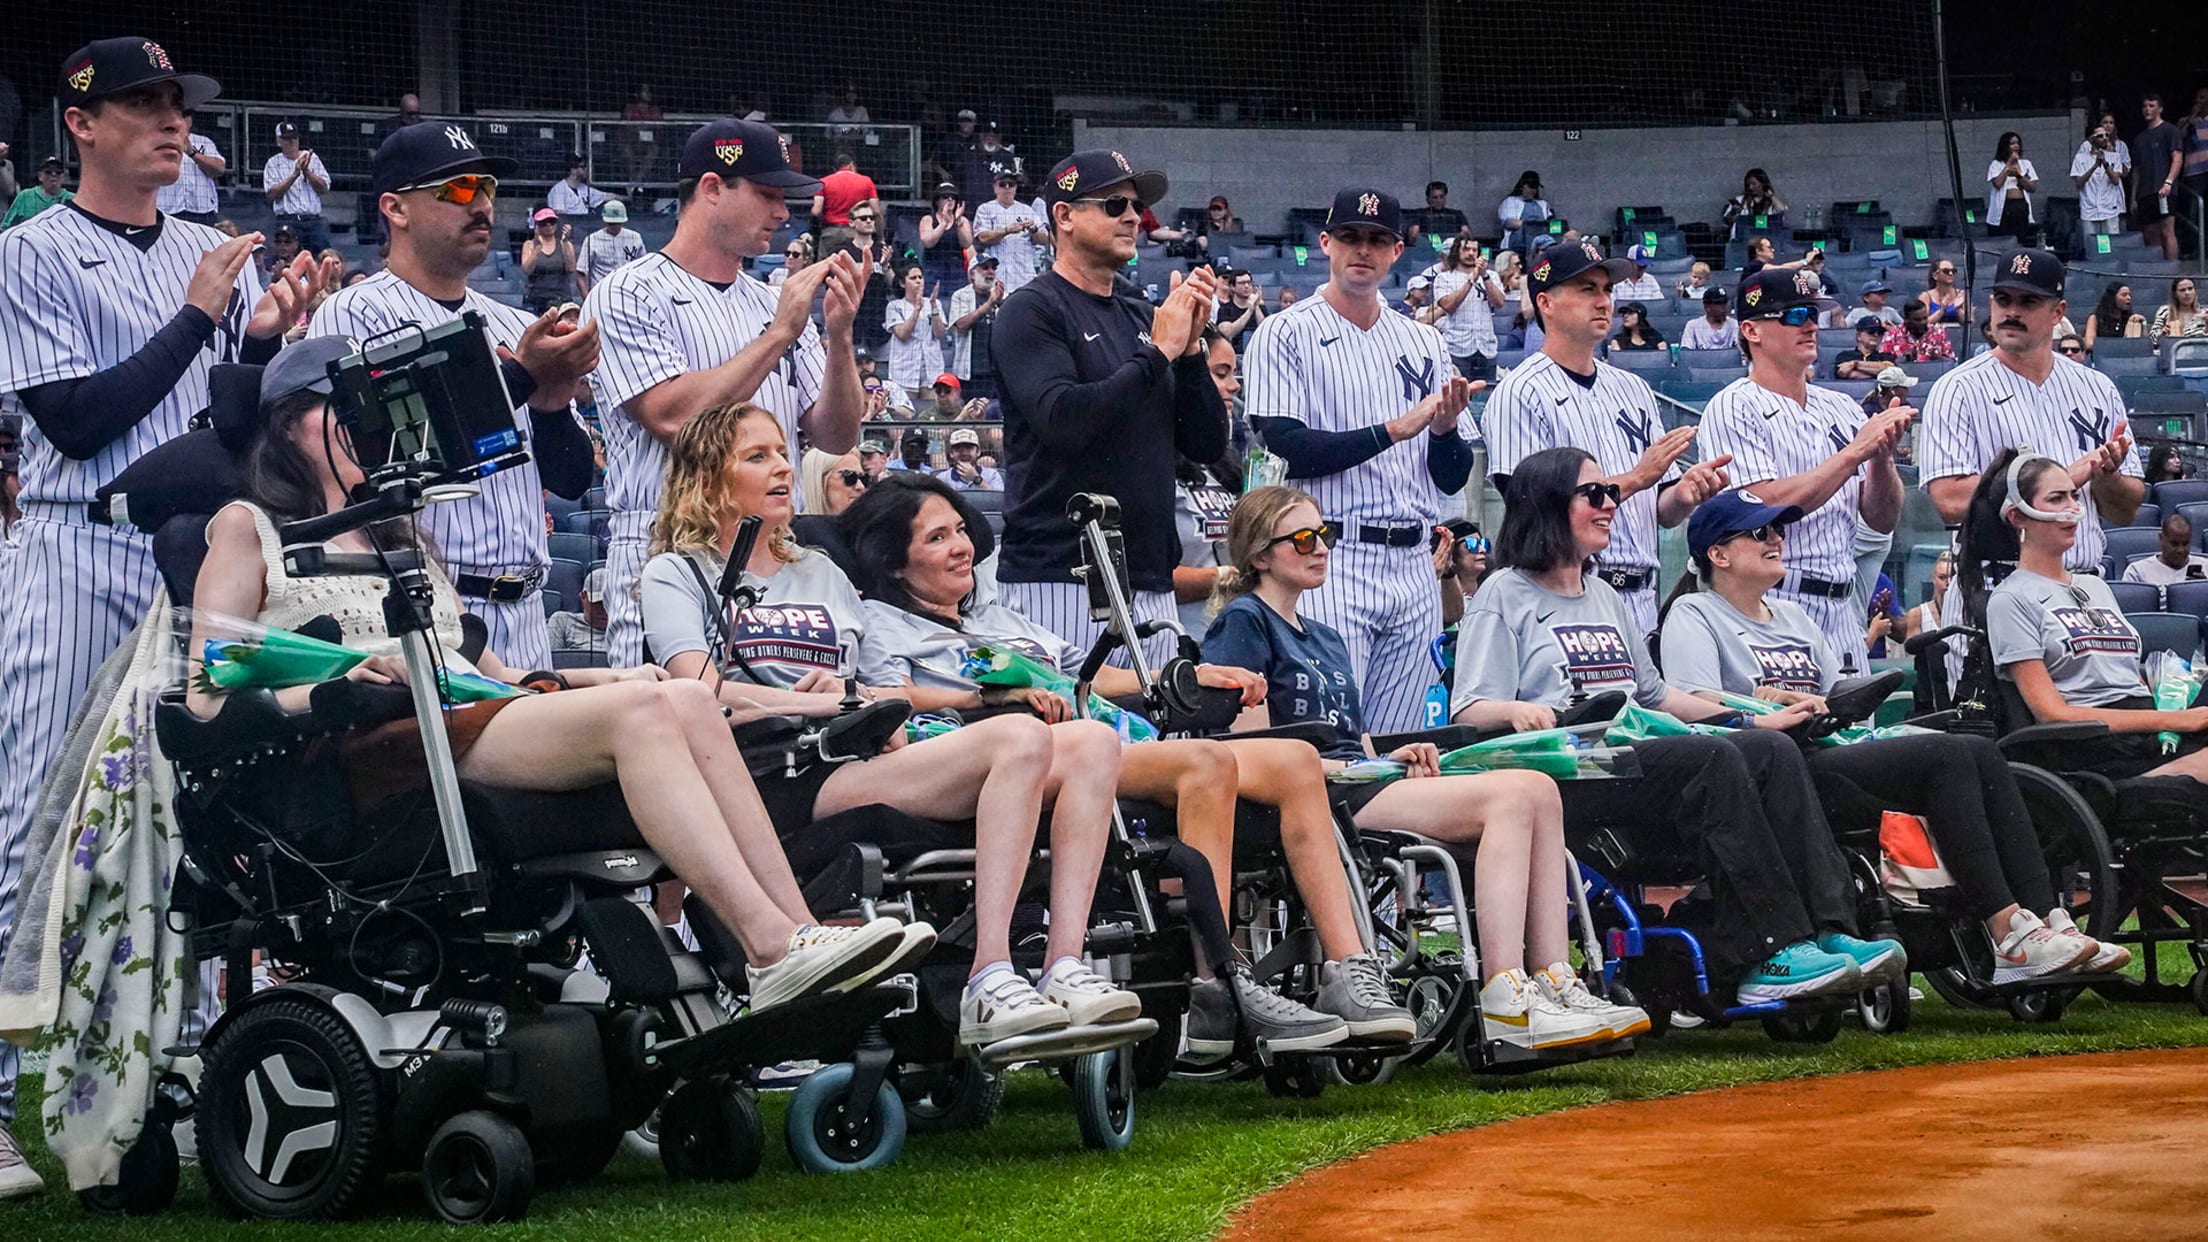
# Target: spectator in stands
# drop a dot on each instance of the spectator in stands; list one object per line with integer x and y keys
{"x": 2100, "y": 170}
{"x": 1915, "y": 339}
{"x": 1510, "y": 269}
{"x": 2013, "y": 181}
{"x": 796, "y": 257}
{"x": 1944, "y": 301}
{"x": 951, "y": 404}
{"x": 31, "y": 200}
{"x": 1523, "y": 212}
{"x": 1873, "y": 293}
{"x": 1890, "y": 388}
{"x": 1438, "y": 218}
{"x": 2164, "y": 464}
{"x": 2181, "y": 315}
{"x": 1418, "y": 299}
{"x": 192, "y": 196}
{"x": 916, "y": 328}
{"x": 2160, "y": 161}
{"x": 547, "y": 263}
{"x": 2174, "y": 559}
{"x": 610, "y": 247}
{"x": 1867, "y": 359}
{"x": 283, "y": 246}
{"x": 877, "y": 258}
{"x": 1465, "y": 296}
{"x": 832, "y": 482}
{"x": 1756, "y": 208}
{"x": 1219, "y": 218}
{"x": 973, "y": 316}
{"x": 912, "y": 452}
{"x": 1928, "y": 616}
{"x": 946, "y": 238}
{"x": 409, "y": 113}
{"x": 2113, "y": 316}
{"x": 1241, "y": 308}
{"x": 7, "y": 176}
{"x": 841, "y": 193}
{"x": 964, "y": 471}
{"x": 2193, "y": 167}
{"x": 1697, "y": 282}
{"x": 638, "y": 138}
{"x": 986, "y": 161}
{"x": 1006, "y": 229}
{"x": 1762, "y": 254}
{"x": 873, "y": 460}
{"x": 584, "y": 630}
{"x": 948, "y": 155}
{"x": 1287, "y": 298}
{"x": 573, "y": 195}
{"x": 1814, "y": 264}
{"x": 849, "y": 117}
{"x": 2071, "y": 347}
{"x": 1644, "y": 287}
{"x": 1635, "y": 332}
{"x": 295, "y": 180}
{"x": 1715, "y": 329}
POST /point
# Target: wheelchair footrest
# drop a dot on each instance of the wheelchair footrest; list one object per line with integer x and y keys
{"x": 817, "y": 1028}
{"x": 630, "y": 951}
{"x": 1767, "y": 1009}
{"x": 1500, "y": 1057}
{"x": 1072, "y": 1041}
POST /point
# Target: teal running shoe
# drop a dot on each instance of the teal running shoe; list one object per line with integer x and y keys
{"x": 1881, "y": 961}
{"x": 1800, "y": 969}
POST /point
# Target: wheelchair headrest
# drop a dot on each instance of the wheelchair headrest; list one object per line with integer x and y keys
{"x": 199, "y": 471}
{"x": 831, "y": 535}
{"x": 824, "y": 534}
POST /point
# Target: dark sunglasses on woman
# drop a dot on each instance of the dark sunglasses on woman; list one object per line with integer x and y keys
{"x": 853, "y": 478}
{"x": 1599, "y": 494}
{"x": 1307, "y": 540}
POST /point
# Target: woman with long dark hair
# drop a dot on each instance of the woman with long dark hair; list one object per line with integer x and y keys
{"x": 2013, "y": 181}
{"x": 1542, "y": 632}
{"x": 2113, "y": 317}
{"x": 1757, "y": 198}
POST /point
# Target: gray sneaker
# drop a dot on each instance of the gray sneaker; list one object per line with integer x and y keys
{"x": 17, "y": 1177}
{"x": 1284, "y": 1025}
{"x": 1355, "y": 990}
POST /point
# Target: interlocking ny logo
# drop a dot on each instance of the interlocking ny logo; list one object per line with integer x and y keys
{"x": 1416, "y": 384}
{"x": 459, "y": 139}
{"x": 1839, "y": 441}
{"x": 2021, "y": 265}
{"x": 1807, "y": 285}
{"x": 1121, "y": 160}
{"x": 158, "y": 58}
{"x": 1368, "y": 205}
{"x": 728, "y": 150}
{"x": 784, "y": 139}
{"x": 2092, "y": 432}
{"x": 1636, "y": 429}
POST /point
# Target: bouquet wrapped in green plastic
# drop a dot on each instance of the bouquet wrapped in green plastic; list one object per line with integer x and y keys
{"x": 1839, "y": 737}
{"x": 2175, "y": 686}
{"x": 1001, "y": 666}
{"x": 1561, "y": 754}
{"x": 1368, "y": 772}
{"x": 1640, "y": 724}
{"x": 273, "y": 660}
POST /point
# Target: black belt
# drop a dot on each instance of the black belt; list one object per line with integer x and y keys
{"x": 501, "y": 589}
{"x": 298, "y": 215}
{"x": 1392, "y": 536}
{"x": 1823, "y": 589}
{"x": 1627, "y": 579}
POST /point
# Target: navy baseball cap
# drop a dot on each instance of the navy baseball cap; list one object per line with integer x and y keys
{"x": 1873, "y": 285}
{"x": 1773, "y": 291}
{"x": 1373, "y": 208}
{"x": 107, "y": 67}
{"x": 1087, "y": 174}
{"x": 303, "y": 366}
{"x": 2031, "y": 271}
{"x": 752, "y": 150}
{"x": 429, "y": 152}
{"x": 1730, "y": 513}
{"x": 1569, "y": 260}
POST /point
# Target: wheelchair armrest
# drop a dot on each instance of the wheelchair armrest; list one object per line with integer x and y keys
{"x": 1858, "y": 698}
{"x": 854, "y": 876}
{"x": 1447, "y": 737}
{"x": 1318, "y": 735}
{"x": 1215, "y": 712}
{"x": 864, "y": 733}
{"x": 252, "y": 719}
{"x": 2043, "y": 742}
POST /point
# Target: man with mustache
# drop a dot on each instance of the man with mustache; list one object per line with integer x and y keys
{"x": 434, "y": 190}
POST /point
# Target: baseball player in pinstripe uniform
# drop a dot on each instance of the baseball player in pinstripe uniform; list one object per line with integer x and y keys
{"x": 1565, "y": 395}
{"x": 1795, "y": 445}
{"x": 2022, "y": 395}
{"x": 1363, "y": 406}
{"x": 435, "y": 190}
{"x": 111, "y": 314}
{"x": 688, "y": 328}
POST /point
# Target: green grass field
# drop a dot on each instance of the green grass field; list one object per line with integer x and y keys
{"x": 1199, "y": 1149}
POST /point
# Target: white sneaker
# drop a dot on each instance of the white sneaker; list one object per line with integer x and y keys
{"x": 1515, "y": 1011}
{"x": 2108, "y": 956}
{"x": 17, "y": 1178}
{"x": 1088, "y": 997}
{"x": 1002, "y": 1004}
{"x": 819, "y": 958}
{"x": 917, "y": 940}
{"x": 2032, "y": 950}
{"x": 1560, "y": 983}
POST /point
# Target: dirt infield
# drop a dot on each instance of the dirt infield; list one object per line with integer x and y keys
{"x": 2099, "y": 1147}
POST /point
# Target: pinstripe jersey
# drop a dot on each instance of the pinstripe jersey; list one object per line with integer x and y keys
{"x": 1540, "y": 406}
{"x": 1310, "y": 364}
{"x": 76, "y": 299}
{"x": 1982, "y": 407}
{"x": 302, "y": 199}
{"x": 657, "y": 322}
{"x": 502, "y": 529}
{"x": 193, "y": 189}
{"x": 1770, "y": 437}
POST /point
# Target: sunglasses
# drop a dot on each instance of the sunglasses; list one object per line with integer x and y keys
{"x": 1115, "y": 206}
{"x": 1307, "y": 540}
{"x": 853, "y": 478}
{"x": 460, "y": 190}
{"x": 1759, "y": 533}
{"x": 1943, "y": 271}
{"x": 2075, "y": 351}
{"x": 1599, "y": 494}
{"x": 858, "y": 219}
{"x": 1791, "y": 317}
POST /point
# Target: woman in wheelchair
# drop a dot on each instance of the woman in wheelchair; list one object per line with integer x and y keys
{"x": 784, "y": 655}
{"x": 916, "y": 567}
{"x": 665, "y": 742}
{"x": 1729, "y": 637}
{"x": 1277, "y": 546}
{"x": 1543, "y": 630}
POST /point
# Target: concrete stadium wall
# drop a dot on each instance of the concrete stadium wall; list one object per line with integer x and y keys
{"x": 1691, "y": 171}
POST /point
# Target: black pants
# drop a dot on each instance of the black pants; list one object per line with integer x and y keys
{"x": 1745, "y": 806}
{"x": 1962, "y": 787}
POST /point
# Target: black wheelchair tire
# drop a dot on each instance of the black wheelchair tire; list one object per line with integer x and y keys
{"x": 310, "y": 1038}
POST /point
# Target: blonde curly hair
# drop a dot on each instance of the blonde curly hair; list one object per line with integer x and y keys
{"x": 696, "y": 502}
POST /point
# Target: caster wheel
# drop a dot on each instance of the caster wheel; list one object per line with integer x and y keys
{"x": 1361, "y": 1069}
{"x": 1299, "y": 1078}
{"x": 963, "y": 1095}
{"x": 642, "y": 1143}
{"x": 1154, "y": 1057}
{"x": 1820, "y": 1027}
{"x": 709, "y": 1131}
{"x": 2199, "y": 988}
{"x": 146, "y": 1184}
{"x": 1104, "y": 1099}
{"x": 1885, "y": 1009}
{"x": 292, "y": 1063}
{"x": 477, "y": 1170}
{"x": 822, "y": 1135}
{"x": 2041, "y": 1006}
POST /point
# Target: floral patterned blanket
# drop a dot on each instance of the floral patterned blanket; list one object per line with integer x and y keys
{"x": 94, "y": 974}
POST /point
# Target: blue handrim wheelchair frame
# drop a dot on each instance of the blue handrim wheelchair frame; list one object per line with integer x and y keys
{"x": 1631, "y": 940}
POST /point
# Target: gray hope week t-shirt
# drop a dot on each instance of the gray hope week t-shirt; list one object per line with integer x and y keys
{"x": 1711, "y": 645}
{"x": 2091, "y": 652}
{"x": 808, "y": 619}
{"x": 1522, "y": 641}
{"x": 909, "y": 647}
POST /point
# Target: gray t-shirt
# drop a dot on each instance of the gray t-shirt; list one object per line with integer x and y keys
{"x": 1710, "y": 645}
{"x": 1522, "y": 641}
{"x": 808, "y": 619}
{"x": 908, "y": 647}
{"x": 2090, "y": 650}
{"x": 1200, "y": 513}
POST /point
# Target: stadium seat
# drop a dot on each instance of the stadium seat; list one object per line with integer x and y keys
{"x": 587, "y": 521}
{"x": 572, "y": 545}
{"x": 2125, "y": 542}
{"x": 559, "y": 506}
{"x": 2136, "y": 596}
{"x": 1718, "y": 374}
{"x": 2122, "y": 347}
{"x": 1708, "y": 357}
{"x": 1643, "y": 362}
{"x": 1928, "y": 371}
{"x": 2189, "y": 598}
{"x": 2149, "y": 514}
{"x": 566, "y": 577}
{"x": 2113, "y": 365}
{"x": 2166, "y": 631}
{"x": 1853, "y": 390}
{"x": 2174, "y": 492}
{"x": 1693, "y": 392}
{"x": 595, "y": 498}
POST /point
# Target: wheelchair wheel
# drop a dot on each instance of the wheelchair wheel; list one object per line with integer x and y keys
{"x": 477, "y": 1170}
{"x": 1154, "y": 1057}
{"x": 2199, "y": 988}
{"x": 1104, "y": 1099}
{"x": 1659, "y": 1016}
{"x": 822, "y": 1135}
{"x": 963, "y": 1095}
{"x": 2079, "y": 857}
{"x": 642, "y": 1143}
{"x": 1884, "y": 1009}
{"x": 146, "y": 1184}
{"x": 2042, "y": 1006}
{"x": 1361, "y": 1069}
{"x": 1297, "y": 1078}
{"x": 290, "y": 1115}
{"x": 1818, "y": 1027}
{"x": 709, "y": 1131}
